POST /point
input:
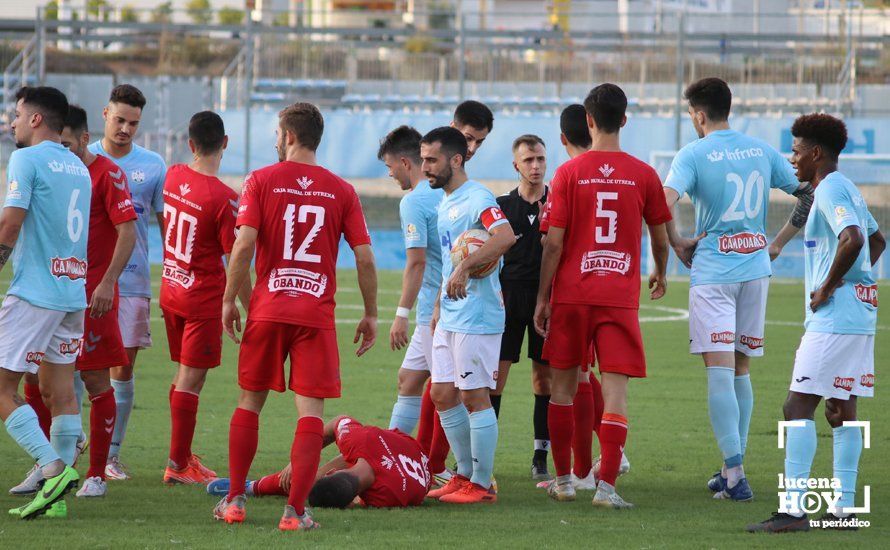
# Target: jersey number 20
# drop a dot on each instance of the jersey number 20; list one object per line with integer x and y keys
{"x": 186, "y": 226}
{"x": 752, "y": 193}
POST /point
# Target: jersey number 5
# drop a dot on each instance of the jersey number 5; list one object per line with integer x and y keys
{"x": 186, "y": 226}
{"x": 606, "y": 235}
{"x": 302, "y": 216}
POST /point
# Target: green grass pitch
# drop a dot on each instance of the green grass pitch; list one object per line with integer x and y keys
{"x": 670, "y": 446}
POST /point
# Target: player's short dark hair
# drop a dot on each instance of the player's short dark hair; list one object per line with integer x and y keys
{"x": 451, "y": 140}
{"x": 606, "y": 104}
{"x": 404, "y": 141}
{"x": 207, "y": 131}
{"x": 821, "y": 129}
{"x": 573, "y": 125}
{"x": 48, "y": 101}
{"x": 76, "y": 119}
{"x": 527, "y": 139}
{"x": 128, "y": 95}
{"x": 304, "y": 120}
{"x": 334, "y": 491}
{"x": 475, "y": 114}
{"x": 711, "y": 95}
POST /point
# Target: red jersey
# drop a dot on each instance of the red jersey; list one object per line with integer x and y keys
{"x": 300, "y": 211}
{"x": 110, "y": 205}
{"x": 601, "y": 199}
{"x": 199, "y": 228}
{"x": 401, "y": 474}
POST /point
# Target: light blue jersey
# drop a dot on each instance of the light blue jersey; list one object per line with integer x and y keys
{"x": 853, "y": 308}
{"x": 417, "y": 213}
{"x": 145, "y": 171}
{"x": 50, "y": 257}
{"x": 471, "y": 206}
{"x": 728, "y": 176}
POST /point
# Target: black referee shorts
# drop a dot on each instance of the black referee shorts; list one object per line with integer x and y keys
{"x": 519, "y": 305}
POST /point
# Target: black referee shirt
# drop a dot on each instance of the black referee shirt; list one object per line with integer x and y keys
{"x": 522, "y": 263}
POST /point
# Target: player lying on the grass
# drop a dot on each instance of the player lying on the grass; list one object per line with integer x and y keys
{"x": 835, "y": 360}
{"x": 303, "y": 209}
{"x": 519, "y": 284}
{"x": 728, "y": 176}
{"x": 199, "y": 229}
{"x": 376, "y": 467}
{"x": 590, "y": 284}
{"x": 145, "y": 175}
{"x": 41, "y": 319}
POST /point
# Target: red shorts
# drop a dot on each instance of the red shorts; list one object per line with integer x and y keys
{"x": 612, "y": 333}
{"x": 314, "y": 359}
{"x": 195, "y": 343}
{"x": 102, "y": 345}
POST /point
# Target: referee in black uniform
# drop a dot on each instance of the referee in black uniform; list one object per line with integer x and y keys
{"x": 519, "y": 281}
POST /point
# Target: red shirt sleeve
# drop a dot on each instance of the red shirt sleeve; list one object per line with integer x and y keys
{"x": 544, "y": 224}
{"x": 225, "y": 221}
{"x": 250, "y": 209}
{"x": 348, "y": 437}
{"x": 655, "y": 209}
{"x": 354, "y": 227}
{"x": 557, "y": 213}
{"x": 118, "y": 202}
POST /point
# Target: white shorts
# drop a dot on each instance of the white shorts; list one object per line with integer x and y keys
{"x": 134, "y": 318}
{"x": 469, "y": 361}
{"x": 31, "y": 334}
{"x": 420, "y": 351}
{"x": 728, "y": 317}
{"x": 835, "y": 366}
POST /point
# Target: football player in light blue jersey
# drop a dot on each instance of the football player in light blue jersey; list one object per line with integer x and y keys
{"x": 835, "y": 360}
{"x": 468, "y": 320}
{"x": 728, "y": 176}
{"x": 400, "y": 151}
{"x": 145, "y": 171}
{"x": 44, "y": 226}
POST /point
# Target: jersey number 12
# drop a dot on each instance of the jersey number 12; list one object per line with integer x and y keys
{"x": 301, "y": 254}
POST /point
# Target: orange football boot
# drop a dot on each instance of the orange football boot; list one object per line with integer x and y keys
{"x": 206, "y": 473}
{"x": 231, "y": 512}
{"x": 291, "y": 521}
{"x": 471, "y": 494}
{"x": 455, "y": 484}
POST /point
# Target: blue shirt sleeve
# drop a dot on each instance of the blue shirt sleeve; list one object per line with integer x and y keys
{"x": 682, "y": 176}
{"x": 783, "y": 176}
{"x": 414, "y": 223}
{"x": 21, "y": 175}
{"x": 835, "y": 205}
{"x": 157, "y": 196}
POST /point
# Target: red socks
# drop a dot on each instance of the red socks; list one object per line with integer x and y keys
{"x": 613, "y": 435}
{"x": 561, "y": 424}
{"x": 305, "y": 454}
{"x": 183, "y": 416}
{"x": 598, "y": 402}
{"x": 269, "y": 485}
{"x": 244, "y": 432}
{"x": 103, "y": 411}
{"x": 33, "y": 397}
{"x": 582, "y": 439}
{"x": 439, "y": 447}
{"x": 170, "y": 394}
{"x": 425, "y": 425}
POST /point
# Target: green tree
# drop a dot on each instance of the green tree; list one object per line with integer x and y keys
{"x": 98, "y": 7}
{"x": 230, "y": 16}
{"x": 129, "y": 14}
{"x": 199, "y": 11}
{"x": 51, "y": 10}
{"x": 163, "y": 13}
{"x": 281, "y": 20}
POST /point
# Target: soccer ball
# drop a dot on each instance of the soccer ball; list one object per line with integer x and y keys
{"x": 468, "y": 242}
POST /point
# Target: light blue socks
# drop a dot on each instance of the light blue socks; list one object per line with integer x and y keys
{"x": 723, "y": 409}
{"x": 484, "y": 438}
{"x": 847, "y": 448}
{"x": 63, "y": 434}
{"x": 456, "y": 425}
{"x": 800, "y": 448}
{"x": 23, "y": 426}
{"x": 123, "y": 399}
{"x": 405, "y": 413}
{"x": 744, "y": 396}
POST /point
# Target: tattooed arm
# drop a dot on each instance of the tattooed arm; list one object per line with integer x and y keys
{"x": 11, "y": 219}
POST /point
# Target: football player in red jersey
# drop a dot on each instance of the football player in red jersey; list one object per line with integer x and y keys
{"x": 199, "y": 229}
{"x": 383, "y": 468}
{"x": 112, "y": 235}
{"x": 293, "y": 214}
{"x": 590, "y": 272}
